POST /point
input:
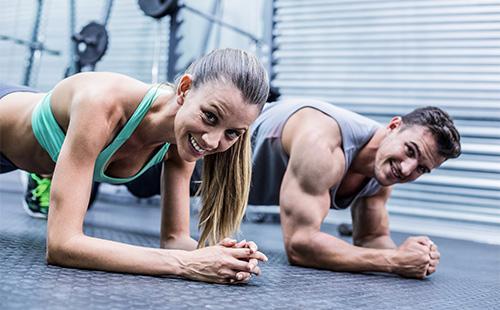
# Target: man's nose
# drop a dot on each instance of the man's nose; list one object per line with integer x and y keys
{"x": 408, "y": 166}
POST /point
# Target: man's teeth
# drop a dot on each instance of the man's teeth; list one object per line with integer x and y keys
{"x": 394, "y": 171}
{"x": 195, "y": 145}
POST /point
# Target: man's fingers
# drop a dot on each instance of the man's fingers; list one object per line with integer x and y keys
{"x": 433, "y": 247}
{"x": 434, "y": 255}
{"x": 424, "y": 240}
{"x": 431, "y": 270}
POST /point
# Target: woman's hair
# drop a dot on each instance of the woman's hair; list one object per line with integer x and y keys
{"x": 226, "y": 175}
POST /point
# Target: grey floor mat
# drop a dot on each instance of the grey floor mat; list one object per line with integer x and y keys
{"x": 467, "y": 278}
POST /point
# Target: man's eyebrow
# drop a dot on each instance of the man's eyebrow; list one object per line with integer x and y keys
{"x": 419, "y": 154}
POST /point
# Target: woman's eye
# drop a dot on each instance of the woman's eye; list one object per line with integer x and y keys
{"x": 232, "y": 134}
{"x": 210, "y": 117}
{"x": 422, "y": 170}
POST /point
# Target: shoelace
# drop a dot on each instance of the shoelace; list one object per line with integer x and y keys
{"x": 42, "y": 190}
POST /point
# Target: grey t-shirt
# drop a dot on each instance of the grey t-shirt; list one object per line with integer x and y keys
{"x": 270, "y": 160}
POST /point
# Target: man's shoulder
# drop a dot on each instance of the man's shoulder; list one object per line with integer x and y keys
{"x": 311, "y": 127}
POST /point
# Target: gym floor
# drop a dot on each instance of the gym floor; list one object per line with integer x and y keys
{"x": 468, "y": 276}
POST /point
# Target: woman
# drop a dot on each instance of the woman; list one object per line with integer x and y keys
{"x": 110, "y": 128}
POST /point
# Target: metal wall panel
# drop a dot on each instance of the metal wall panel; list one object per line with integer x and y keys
{"x": 384, "y": 58}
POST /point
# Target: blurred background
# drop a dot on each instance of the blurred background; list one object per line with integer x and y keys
{"x": 375, "y": 57}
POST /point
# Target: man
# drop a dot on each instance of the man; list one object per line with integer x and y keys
{"x": 310, "y": 156}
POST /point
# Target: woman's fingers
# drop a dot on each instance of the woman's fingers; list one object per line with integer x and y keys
{"x": 246, "y": 253}
{"x": 228, "y": 242}
{"x": 238, "y": 265}
{"x": 252, "y": 246}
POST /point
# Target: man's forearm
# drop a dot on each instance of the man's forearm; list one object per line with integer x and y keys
{"x": 380, "y": 242}
{"x": 324, "y": 251}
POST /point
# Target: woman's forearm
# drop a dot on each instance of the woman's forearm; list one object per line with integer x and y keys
{"x": 92, "y": 253}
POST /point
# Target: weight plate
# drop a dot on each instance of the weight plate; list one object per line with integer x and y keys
{"x": 92, "y": 42}
{"x": 158, "y": 8}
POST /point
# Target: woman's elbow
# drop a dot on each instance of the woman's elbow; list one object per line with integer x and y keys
{"x": 58, "y": 251}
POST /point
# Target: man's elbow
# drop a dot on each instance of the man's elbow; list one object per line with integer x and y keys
{"x": 298, "y": 249}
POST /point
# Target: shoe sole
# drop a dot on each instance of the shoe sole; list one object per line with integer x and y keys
{"x": 31, "y": 213}
{"x": 23, "y": 177}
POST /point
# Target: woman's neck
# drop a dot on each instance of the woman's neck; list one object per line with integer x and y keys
{"x": 160, "y": 125}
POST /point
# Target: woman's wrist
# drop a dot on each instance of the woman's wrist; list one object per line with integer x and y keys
{"x": 174, "y": 261}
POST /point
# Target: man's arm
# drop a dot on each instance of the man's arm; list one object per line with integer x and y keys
{"x": 371, "y": 230}
{"x": 304, "y": 203}
{"x": 371, "y": 221}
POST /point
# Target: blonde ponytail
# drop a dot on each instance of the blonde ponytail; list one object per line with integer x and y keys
{"x": 224, "y": 191}
{"x": 226, "y": 176}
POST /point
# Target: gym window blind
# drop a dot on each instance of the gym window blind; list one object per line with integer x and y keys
{"x": 384, "y": 58}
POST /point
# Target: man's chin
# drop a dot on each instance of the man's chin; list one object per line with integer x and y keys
{"x": 384, "y": 181}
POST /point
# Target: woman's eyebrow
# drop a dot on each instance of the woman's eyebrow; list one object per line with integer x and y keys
{"x": 219, "y": 109}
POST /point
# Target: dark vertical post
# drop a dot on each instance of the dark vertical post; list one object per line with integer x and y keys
{"x": 33, "y": 47}
{"x": 269, "y": 11}
{"x": 174, "y": 39}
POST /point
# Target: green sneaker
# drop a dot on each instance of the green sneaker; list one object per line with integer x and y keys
{"x": 37, "y": 197}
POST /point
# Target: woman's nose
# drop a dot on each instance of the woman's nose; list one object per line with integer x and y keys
{"x": 211, "y": 140}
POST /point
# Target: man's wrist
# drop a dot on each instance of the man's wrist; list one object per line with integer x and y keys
{"x": 390, "y": 260}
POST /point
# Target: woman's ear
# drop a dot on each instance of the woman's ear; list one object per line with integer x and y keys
{"x": 183, "y": 87}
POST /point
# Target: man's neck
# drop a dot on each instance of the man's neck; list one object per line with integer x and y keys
{"x": 364, "y": 161}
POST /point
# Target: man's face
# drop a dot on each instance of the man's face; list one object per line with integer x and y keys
{"x": 405, "y": 154}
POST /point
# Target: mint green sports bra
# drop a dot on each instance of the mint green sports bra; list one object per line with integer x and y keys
{"x": 51, "y": 137}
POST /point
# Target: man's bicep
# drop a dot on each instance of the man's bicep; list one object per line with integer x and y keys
{"x": 301, "y": 209}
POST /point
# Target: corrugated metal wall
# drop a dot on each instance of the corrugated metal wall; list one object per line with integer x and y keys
{"x": 130, "y": 50}
{"x": 384, "y": 58}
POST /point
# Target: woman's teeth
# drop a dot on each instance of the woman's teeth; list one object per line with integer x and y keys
{"x": 195, "y": 145}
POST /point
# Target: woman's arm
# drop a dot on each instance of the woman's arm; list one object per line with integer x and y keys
{"x": 88, "y": 132}
{"x": 175, "y": 178}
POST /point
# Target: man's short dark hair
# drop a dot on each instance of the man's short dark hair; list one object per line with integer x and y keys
{"x": 441, "y": 125}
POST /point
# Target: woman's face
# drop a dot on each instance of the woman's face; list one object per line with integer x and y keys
{"x": 211, "y": 119}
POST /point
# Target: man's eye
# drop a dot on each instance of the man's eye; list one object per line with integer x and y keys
{"x": 210, "y": 117}
{"x": 410, "y": 151}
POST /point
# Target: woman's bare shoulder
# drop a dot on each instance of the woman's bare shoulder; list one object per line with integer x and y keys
{"x": 101, "y": 86}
